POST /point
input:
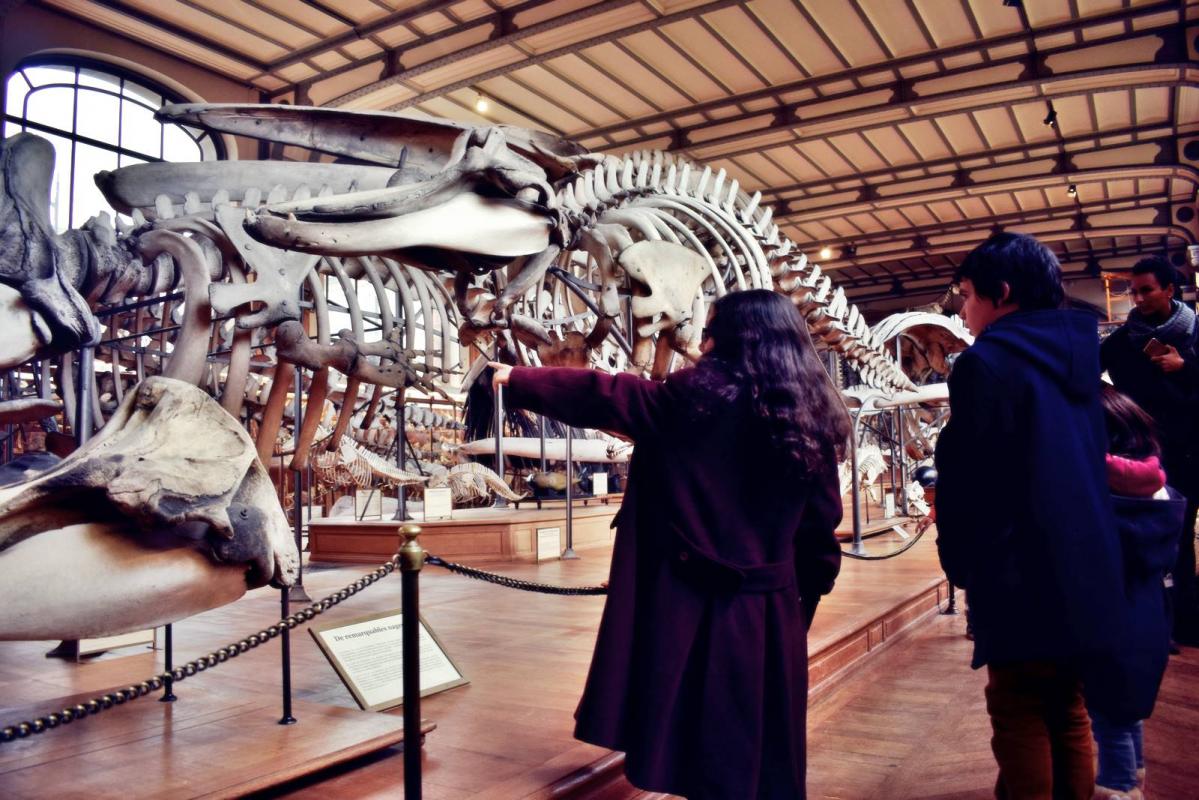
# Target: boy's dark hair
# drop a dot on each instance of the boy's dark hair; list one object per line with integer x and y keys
{"x": 1131, "y": 432}
{"x": 1029, "y": 268}
{"x": 1158, "y": 267}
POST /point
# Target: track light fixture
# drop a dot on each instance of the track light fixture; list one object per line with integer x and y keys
{"x": 849, "y": 250}
{"x": 1051, "y": 117}
{"x": 826, "y": 253}
{"x": 481, "y": 104}
{"x": 1072, "y": 190}
{"x": 1013, "y": 3}
{"x": 1092, "y": 268}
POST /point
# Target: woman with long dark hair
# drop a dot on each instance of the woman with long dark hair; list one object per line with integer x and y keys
{"x": 724, "y": 545}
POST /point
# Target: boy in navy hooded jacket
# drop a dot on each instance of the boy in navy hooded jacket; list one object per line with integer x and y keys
{"x": 1024, "y": 515}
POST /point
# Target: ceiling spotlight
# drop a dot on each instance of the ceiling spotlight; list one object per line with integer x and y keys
{"x": 1093, "y": 269}
{"x": 1051, "y": 117}
{"x": 826, "y": 253}
{"x": 481, "y": 104}
{"x": 1072, "y": 190}
{"x": 1012, "y": 3}
{"x": 849, "y": 250}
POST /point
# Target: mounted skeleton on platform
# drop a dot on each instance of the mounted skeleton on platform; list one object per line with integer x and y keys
{"x": 486, "y": 236}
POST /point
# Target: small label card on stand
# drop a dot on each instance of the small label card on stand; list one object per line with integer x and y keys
{"x": 549, "y": 543}
{"x": 368, "y": 653}
{"x": 599, "y": 483}
{"x": 439, "y": 503}
{"x": 368, "y": 504}
{"x": 888, "y": 505}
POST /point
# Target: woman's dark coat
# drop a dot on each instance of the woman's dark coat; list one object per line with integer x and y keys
{"x": 700, "y": 668}
{"x": 1124, "y": 688}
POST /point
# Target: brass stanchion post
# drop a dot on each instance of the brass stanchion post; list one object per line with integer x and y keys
{"x": 412, "y": 558}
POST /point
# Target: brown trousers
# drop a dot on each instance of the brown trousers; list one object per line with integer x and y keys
{"x": 1042, "y": 735}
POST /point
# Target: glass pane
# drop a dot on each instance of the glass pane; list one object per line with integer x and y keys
{"x": 124, "y": 160}
{"x": 88, "y": 200}
{"x": 60, "y": 186}
{"x": 334, "y": 293}
{"x": 14, "y": 94}
{"x": 53, "y": 107}
{"x": 101, "y": 80}
{"x": 40, "y": 76}
{"x": 140, "y": 132}
{"x": 178, "y": 146}
{"x": 367, "y": 299}
{"x": 339, "y": 321}
{"x": 98, "y": 116}
{"x": 144, "y": 96}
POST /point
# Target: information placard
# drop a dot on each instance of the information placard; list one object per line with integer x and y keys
{"x": 368, "y": 504}
{"x": 888, "y": 505}
{"x": 549, "y": 543}
{"x": 599, "y": 483}
{"x": 367, "y": 654}
{"x": 439, "y": 503}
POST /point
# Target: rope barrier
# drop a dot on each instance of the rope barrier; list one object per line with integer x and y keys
{"x": 906, "y": 547}
{"x": 513, "y": 583}
{"x": 215, "y": 658}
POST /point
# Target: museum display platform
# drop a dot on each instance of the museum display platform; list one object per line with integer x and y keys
{"x": 214, "y": 743}
{"x": 505, "y": 735}
{"x": 472, "y": 535}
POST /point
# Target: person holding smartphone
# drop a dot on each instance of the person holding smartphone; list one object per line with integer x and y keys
{"x": 1153, "y": 359}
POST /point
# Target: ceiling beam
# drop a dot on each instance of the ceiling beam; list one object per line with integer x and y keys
{"x": 935, "y": 55}
{"x": 358, "y": 32}
{"x": 961, "y": 188}
{"x": 503, "y": 32}
{"x": 514, "y": 37}
{"x": 184, "y": 33}
{"x": 1137, "y": 76}
{"x": 1055, "y": 149}
{"x": 1159, "y": 203}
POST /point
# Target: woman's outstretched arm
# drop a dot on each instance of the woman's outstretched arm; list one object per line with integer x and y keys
{"x": 587, "y": 398}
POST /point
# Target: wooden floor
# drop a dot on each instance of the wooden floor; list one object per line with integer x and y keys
{"x": 909, "y": 723}
{"x": 912, "y": 725}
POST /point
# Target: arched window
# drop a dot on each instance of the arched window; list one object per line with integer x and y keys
{"x": 98, "y": 117}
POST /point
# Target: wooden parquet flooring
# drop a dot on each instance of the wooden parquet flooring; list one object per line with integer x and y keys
{"x": 911, "y": 724}
{"x": 908, "y": 722}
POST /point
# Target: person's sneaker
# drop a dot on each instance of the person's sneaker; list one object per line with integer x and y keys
{"x": 1104, "y": 793}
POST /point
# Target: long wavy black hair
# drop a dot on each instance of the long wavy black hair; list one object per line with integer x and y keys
{"x": 761, "y": 345}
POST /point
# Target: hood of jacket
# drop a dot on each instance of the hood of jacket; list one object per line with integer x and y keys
{"x": 1149, "y": 531}
{"x": 1062, "y": 345}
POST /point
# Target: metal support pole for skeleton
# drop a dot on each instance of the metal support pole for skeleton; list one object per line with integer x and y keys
{"x": 401, "y": 440}
{"x": 285, "y": 644}
{"x": 854, "y": 484}
{"x": 168, "y": 683}
{"x": 412, "y": 558}
{"x": 541, "y": 436}
{"x": 83, "y": 396}
{"x": 500, "y": 502}
{"x": 569, "y": 552}
{"x": 297, "y": 591}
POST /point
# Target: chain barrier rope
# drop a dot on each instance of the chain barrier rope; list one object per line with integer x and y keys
{"x": 513, "y": 583}
{"x": 219, "y": 656}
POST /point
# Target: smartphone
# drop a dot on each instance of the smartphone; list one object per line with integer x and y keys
{"x": 1155, "y": 348}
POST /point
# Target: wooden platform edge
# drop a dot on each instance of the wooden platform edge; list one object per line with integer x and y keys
{"x": 282, "y": 777}
{"x": 840, "y": 660}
